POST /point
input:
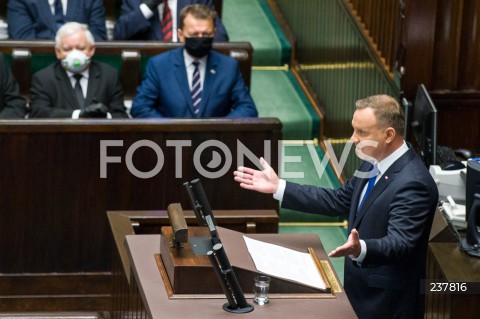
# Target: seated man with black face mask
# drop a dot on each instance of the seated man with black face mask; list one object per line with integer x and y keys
{"x": 193, "y": 81}
{"x": 75, "y": 86}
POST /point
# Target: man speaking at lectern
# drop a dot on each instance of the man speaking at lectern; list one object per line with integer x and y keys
{"x": 389, "y": 227}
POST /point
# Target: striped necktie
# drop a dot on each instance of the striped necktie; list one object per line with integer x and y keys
{"x": 167, "y": 22}
{"x": 196, "y": 89}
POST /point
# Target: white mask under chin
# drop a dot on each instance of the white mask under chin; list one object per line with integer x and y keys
{"x": 76, "y": 61}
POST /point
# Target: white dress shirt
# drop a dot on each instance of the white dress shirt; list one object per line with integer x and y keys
{"x": 52, "y": 6}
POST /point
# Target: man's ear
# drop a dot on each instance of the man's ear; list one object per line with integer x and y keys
{"x": 58, "y": 53}
{"x": 180, "y": 35}
{"x": 390, "y": 134}
{"x": 91, "y": 51}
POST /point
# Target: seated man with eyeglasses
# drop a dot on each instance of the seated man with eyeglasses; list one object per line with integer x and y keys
{"x": 193, "y": 81}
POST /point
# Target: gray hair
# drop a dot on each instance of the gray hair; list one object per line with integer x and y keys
{"x": 70, "y": 28}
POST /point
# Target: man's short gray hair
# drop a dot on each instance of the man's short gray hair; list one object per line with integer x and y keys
{"x": 70, "y": 28}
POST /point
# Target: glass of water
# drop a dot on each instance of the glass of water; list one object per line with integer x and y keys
{"x": 262, "y": 284}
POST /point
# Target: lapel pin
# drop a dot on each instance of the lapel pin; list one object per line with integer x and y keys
{"x": 212, "y": 71}
{"x": 386, "y": 177}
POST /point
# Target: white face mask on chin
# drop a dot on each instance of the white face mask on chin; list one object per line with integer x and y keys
{"x": 76, "y": 61}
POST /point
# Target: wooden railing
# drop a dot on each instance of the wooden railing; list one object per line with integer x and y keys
{"x": 381, "y": 20}
{"x": 335, "y": 57}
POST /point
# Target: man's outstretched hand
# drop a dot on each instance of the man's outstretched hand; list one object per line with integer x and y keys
{"x": 264, "y": 181}
{"x": 351, "y": 247}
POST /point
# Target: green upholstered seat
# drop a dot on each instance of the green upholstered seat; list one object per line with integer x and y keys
{"x": 277, "y": 94}
{"x": 252, "y": 21}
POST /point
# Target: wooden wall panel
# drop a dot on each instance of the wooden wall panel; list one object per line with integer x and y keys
{"x": 458, "y": 117}
{"x": 441, "y": 43}
{"x": 446, "y": 55}
{"x": 420, "y": 17}
{"x": 442, "y": 52}
{"x": 469, "y": 62}
{"x": 52, "y": 292}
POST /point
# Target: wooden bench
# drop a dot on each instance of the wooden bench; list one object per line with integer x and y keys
{"x": 128, "y": 57}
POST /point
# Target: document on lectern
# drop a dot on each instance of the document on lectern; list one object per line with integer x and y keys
{"x": 285, "y": 263}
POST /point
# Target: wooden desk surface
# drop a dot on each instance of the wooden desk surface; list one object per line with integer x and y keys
{"x": 446, "y": 263}
{"x": 455, "y": 264}
{"x": 141, "y": 249}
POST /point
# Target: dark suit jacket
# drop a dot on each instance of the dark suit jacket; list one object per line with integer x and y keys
{"x": 33, "y": 19}
{"x": 132, "y": 25}
{"x": 52, "y": 94}
{"x": 395, "y": 222}
{"x": 12, "y": 105}
{"x": 165, "y": 92}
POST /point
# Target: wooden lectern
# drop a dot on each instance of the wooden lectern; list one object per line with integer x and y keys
{"x": 187, "y": 270}
{"x": 148, "y": 297}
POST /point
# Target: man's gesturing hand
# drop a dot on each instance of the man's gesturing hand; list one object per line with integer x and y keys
{"x": 351, "y": 247}
{"x": 264, "y": 181}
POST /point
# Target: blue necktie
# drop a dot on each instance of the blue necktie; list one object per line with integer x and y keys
{"x": 59, "y": 21}
{"x": 371, "y": 184}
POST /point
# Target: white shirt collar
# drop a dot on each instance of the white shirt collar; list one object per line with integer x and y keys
{"x": 390, "y": 159}
{"x": 64, "y": 6}
{"x": 190, "y": 59}
{"x": 85, "y": 73}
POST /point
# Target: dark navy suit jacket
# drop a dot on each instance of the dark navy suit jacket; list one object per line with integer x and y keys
{"x": 12, "y": 105}
{"x": 165, "y": 92}
{"x": 395, "y": 222}
{"x": 33, "y": 19}
{"x": 53, "y": 96}
{"x": 132, "y": 25}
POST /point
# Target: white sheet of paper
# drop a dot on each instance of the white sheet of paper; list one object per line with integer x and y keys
{"x": 284, "y": 263}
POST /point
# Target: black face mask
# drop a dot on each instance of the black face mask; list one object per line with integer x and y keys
{"x": 198, "y": 47}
